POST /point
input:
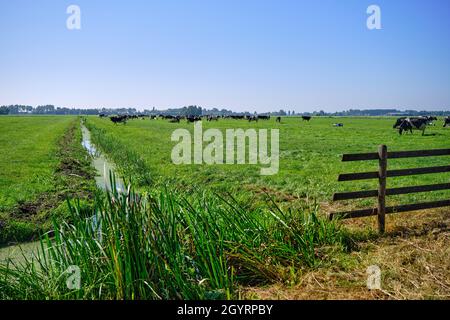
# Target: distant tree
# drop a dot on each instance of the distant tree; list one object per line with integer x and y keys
{"x": 320, "y": 113}
{"x": 45, "y": 109}
{"x": 4, "y": 110}
{"x": 193, "y": 111}
{"x": 197, "y": 111}
{"x": 14, "y": 109}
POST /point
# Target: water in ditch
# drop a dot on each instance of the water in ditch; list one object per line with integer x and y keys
{"x": 102, "y": 165}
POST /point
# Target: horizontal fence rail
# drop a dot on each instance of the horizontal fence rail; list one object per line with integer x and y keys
{"x": 382, "y": 174}
{"x": 393, "y": 173}
{"x": 390, "y": 192}
{"x": 396, "y": 155}
{"x": 394, "y": 209}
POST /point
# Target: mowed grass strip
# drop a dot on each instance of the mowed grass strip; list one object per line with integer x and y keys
{"x": 28, "y": 156}
{"x": 45, "y": 166}
{"x": 310, "y": 157}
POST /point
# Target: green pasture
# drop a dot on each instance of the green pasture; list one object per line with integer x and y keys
{"x": 310, "y": 157}
{"x": 42, "y": 163}
{"x": 204, "y": 243}
{"x": 28, "y": 156}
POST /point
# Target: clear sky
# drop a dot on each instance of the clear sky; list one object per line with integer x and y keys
{"x": 256, "y": 55}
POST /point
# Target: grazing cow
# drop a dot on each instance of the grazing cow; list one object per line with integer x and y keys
{"x": 428, "y": 119}
{"x": 252, "y": 118}
{"x": 405, "y": 125}
{"x": 119, "y": 119}
{"x": 410, "y": 124}
{"x": 398, "y": 122}
{"x": 278, "y": 119}
{"x": 193, "y": 118}
{"x": 169, "y": 116}
{"x": 306, "y": 118}
{"x": 446, "y": 121}
{"x": 211, "y": 118}
{"x": 338, "y": 124}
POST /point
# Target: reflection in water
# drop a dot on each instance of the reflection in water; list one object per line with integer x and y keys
{"x": 19, "y": 253}
{"x": 103, "y": 167}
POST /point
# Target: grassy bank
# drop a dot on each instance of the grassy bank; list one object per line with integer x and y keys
{"x": 130, "y": 164}
{"x": 42, "y": 186}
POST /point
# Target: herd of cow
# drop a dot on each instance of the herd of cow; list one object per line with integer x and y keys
{"x": 403, "y": 124}
{"x": 176, "y": 119}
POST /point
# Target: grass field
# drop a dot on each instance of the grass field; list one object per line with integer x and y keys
{"x": 39, "y": 163}
{"x": 211, "y": 232}
{"x": 310, "y": 157}
{"x": 28, "y": 157}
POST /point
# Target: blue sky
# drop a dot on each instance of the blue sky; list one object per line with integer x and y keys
{"x": 255, "y": 55}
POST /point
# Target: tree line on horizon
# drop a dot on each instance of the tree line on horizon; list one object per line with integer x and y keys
{"x": 198, "y": 111}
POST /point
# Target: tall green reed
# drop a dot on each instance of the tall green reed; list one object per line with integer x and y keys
{"x": 164, "y": 245}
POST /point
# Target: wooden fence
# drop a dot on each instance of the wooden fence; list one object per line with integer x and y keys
{"x": 383, "y": 173}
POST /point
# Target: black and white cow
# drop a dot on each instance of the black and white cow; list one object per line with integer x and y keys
{"x": 119, "y": 119}
{"x": 193, "y": 118}
{"x": 212, "y": 118}
{"x": 410, "y": 124}
{"x": 428, "y": 119}
{"x": 446, "y": 122}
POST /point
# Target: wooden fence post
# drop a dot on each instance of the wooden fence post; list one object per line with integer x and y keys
{"x": 382, "y": 175}
{"x": 382, "y": 191}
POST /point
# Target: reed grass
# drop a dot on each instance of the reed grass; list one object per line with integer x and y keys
{"x": 164, "y": 245}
